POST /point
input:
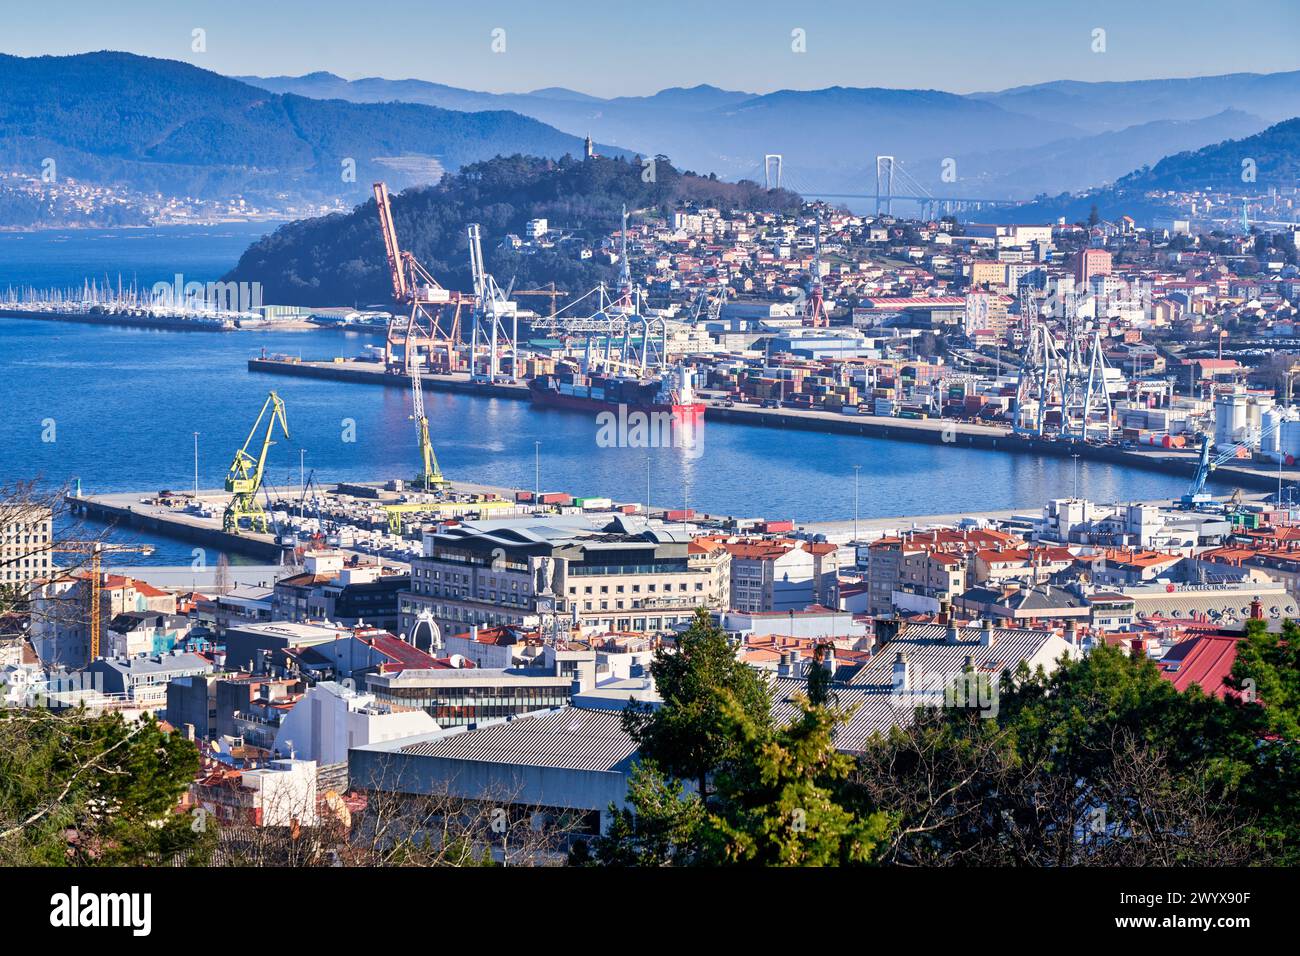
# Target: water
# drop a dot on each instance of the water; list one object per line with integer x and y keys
{"x": 65, "y": 257}
{"x": 124, "y": 404}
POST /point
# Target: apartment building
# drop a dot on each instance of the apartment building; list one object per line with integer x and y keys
{"x": 781, "y": 575}
{"x": 902, "y": 563}
{"x": 25, "y": 539}
{"x": 610, "y": 573}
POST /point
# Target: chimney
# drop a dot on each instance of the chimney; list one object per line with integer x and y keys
{"x": 986, "y": 632}
{"x": 953, "y": 634}
{"x": 945, "y": 611}
{"x": 1138, "y": 649}
{"x": 902, "y": 674}
{"x": 828, "y": 658}
{"x": 1071, "y": 634}
{"x": 1256, "y": 609}
{"x": 783, "y": 668}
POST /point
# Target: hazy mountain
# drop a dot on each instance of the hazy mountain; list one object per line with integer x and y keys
{"x": 1274, "y": 161}
{"x": 829, "y": 138}
{"x": 166, "y": 126}
{"x": 1095, "y": 160}
{"x": 1115, "y": 105}
{"x": 1018, "y": 142}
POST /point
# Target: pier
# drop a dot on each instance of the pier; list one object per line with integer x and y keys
{"x": 934, "y": 431}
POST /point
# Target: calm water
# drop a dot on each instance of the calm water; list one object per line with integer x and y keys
{"x": 126, "y": 402}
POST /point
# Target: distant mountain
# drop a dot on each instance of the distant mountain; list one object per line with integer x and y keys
{"x": 829, "y": 138}
{"x": 1014, "y": 143}
{"x": 1274, "y": 161}
{"x": 1111, "y": 106}
{"x": 1096, "y": 160}
{"x": 165, "y": 126}
{"x": 340, "y": 260}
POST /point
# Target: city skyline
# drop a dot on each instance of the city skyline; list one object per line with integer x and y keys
{"x": 750, "y": 47}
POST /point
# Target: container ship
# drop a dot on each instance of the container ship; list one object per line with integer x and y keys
{"x": 673, "y": 392}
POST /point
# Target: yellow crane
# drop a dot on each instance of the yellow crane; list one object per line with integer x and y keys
{"x": 96, "y": 550}
{"x": 245, "y": 477}
{"x": 430, "y": 475}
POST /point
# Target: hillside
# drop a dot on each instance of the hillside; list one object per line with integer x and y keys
{"x": 339, "y": 259}
{"x": 164, "y": 126}
{"x": 1275, "y": 152}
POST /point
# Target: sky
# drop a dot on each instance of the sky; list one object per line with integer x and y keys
{"x": 635, "y": 47}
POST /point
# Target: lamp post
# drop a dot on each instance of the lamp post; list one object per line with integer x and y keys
{"x": 196, "y": 466}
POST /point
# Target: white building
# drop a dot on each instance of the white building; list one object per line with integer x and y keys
{"x": 331, "y": 718}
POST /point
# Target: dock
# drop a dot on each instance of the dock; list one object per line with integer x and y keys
{"x": 933, "y": 431}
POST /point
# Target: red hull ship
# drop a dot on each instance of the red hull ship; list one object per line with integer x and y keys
{"x": 674, "y": 394}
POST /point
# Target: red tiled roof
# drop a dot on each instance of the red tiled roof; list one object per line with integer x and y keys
{"x": 1205, "y": 661}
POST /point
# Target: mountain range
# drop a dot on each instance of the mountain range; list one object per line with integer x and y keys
{"x": 1015, "y": 143}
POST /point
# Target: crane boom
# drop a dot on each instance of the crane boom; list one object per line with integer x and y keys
{"x": 391, "y": 248}
{"x": 430, "y": 475}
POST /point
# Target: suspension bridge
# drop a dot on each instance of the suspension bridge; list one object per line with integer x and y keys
{"x": 893, "y": 183}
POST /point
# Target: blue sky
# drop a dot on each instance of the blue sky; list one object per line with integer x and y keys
{"x": 631, "y": 47}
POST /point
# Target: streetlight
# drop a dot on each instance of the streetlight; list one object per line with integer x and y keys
{"x": 196, "y": 467}
{"x": 857, "y": 469}
{"x": 537, "y": 475}
{"x": 1075, "y": 456}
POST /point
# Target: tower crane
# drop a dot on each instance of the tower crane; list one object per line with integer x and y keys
{"x": 414, "y": 286}
{"x": 96, "y": 550}
{"x": 244, "y": 479}
{"x": 430, "y": 475}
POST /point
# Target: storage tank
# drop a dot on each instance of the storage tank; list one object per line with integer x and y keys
{"x": 1289, "y": 441}
{"x": 1230, "y": 418}
{"x": 1271, "y": 442}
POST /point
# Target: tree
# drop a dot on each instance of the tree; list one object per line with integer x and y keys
{"x": 691, "y": 735}
{"x": 1267, "y": 676}
{"x": 1101, "y": 762}
{"x": 78, "y": 789}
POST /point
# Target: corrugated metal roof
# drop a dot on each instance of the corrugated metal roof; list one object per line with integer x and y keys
{"x": 933, "y": 663}
{"x": 570, "y": 738}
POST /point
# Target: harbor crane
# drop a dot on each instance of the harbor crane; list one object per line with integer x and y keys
{"x": 491, "y": 306}
{"x": 414, "y": 286}
{"x": 430, "y": 476}
{"x": 96, "y": 550}
{"x": 1196, "y": 493}
{"x": 244, "y": 479}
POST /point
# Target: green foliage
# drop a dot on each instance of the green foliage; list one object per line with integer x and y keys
{"x": 1267, "y": 675}
{"x": 761, "y": 794}
{"x": 701, "y": 682}
{"x": 83, "y": 790}
{"x": 1182, "y": 778}
{"x": 782, "y": 807}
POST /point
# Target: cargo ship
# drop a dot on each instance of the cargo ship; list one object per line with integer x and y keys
{"x": 672, "y": 393}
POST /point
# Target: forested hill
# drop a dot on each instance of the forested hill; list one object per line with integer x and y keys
{"x": 1251, "y": 165}
{"x": 339, "y": 259}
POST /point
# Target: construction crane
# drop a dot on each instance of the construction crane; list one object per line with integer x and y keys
{"x": 550, "y": 292}
{"x": 414, "y": 286}
{"x": 96, "y": 549}
{"x": 244, "y": 479}
{"x": 430, "y": 475}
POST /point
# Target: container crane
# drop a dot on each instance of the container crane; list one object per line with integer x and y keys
{"x": 414, "y": 286}
{"x": 244, "y": 479}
